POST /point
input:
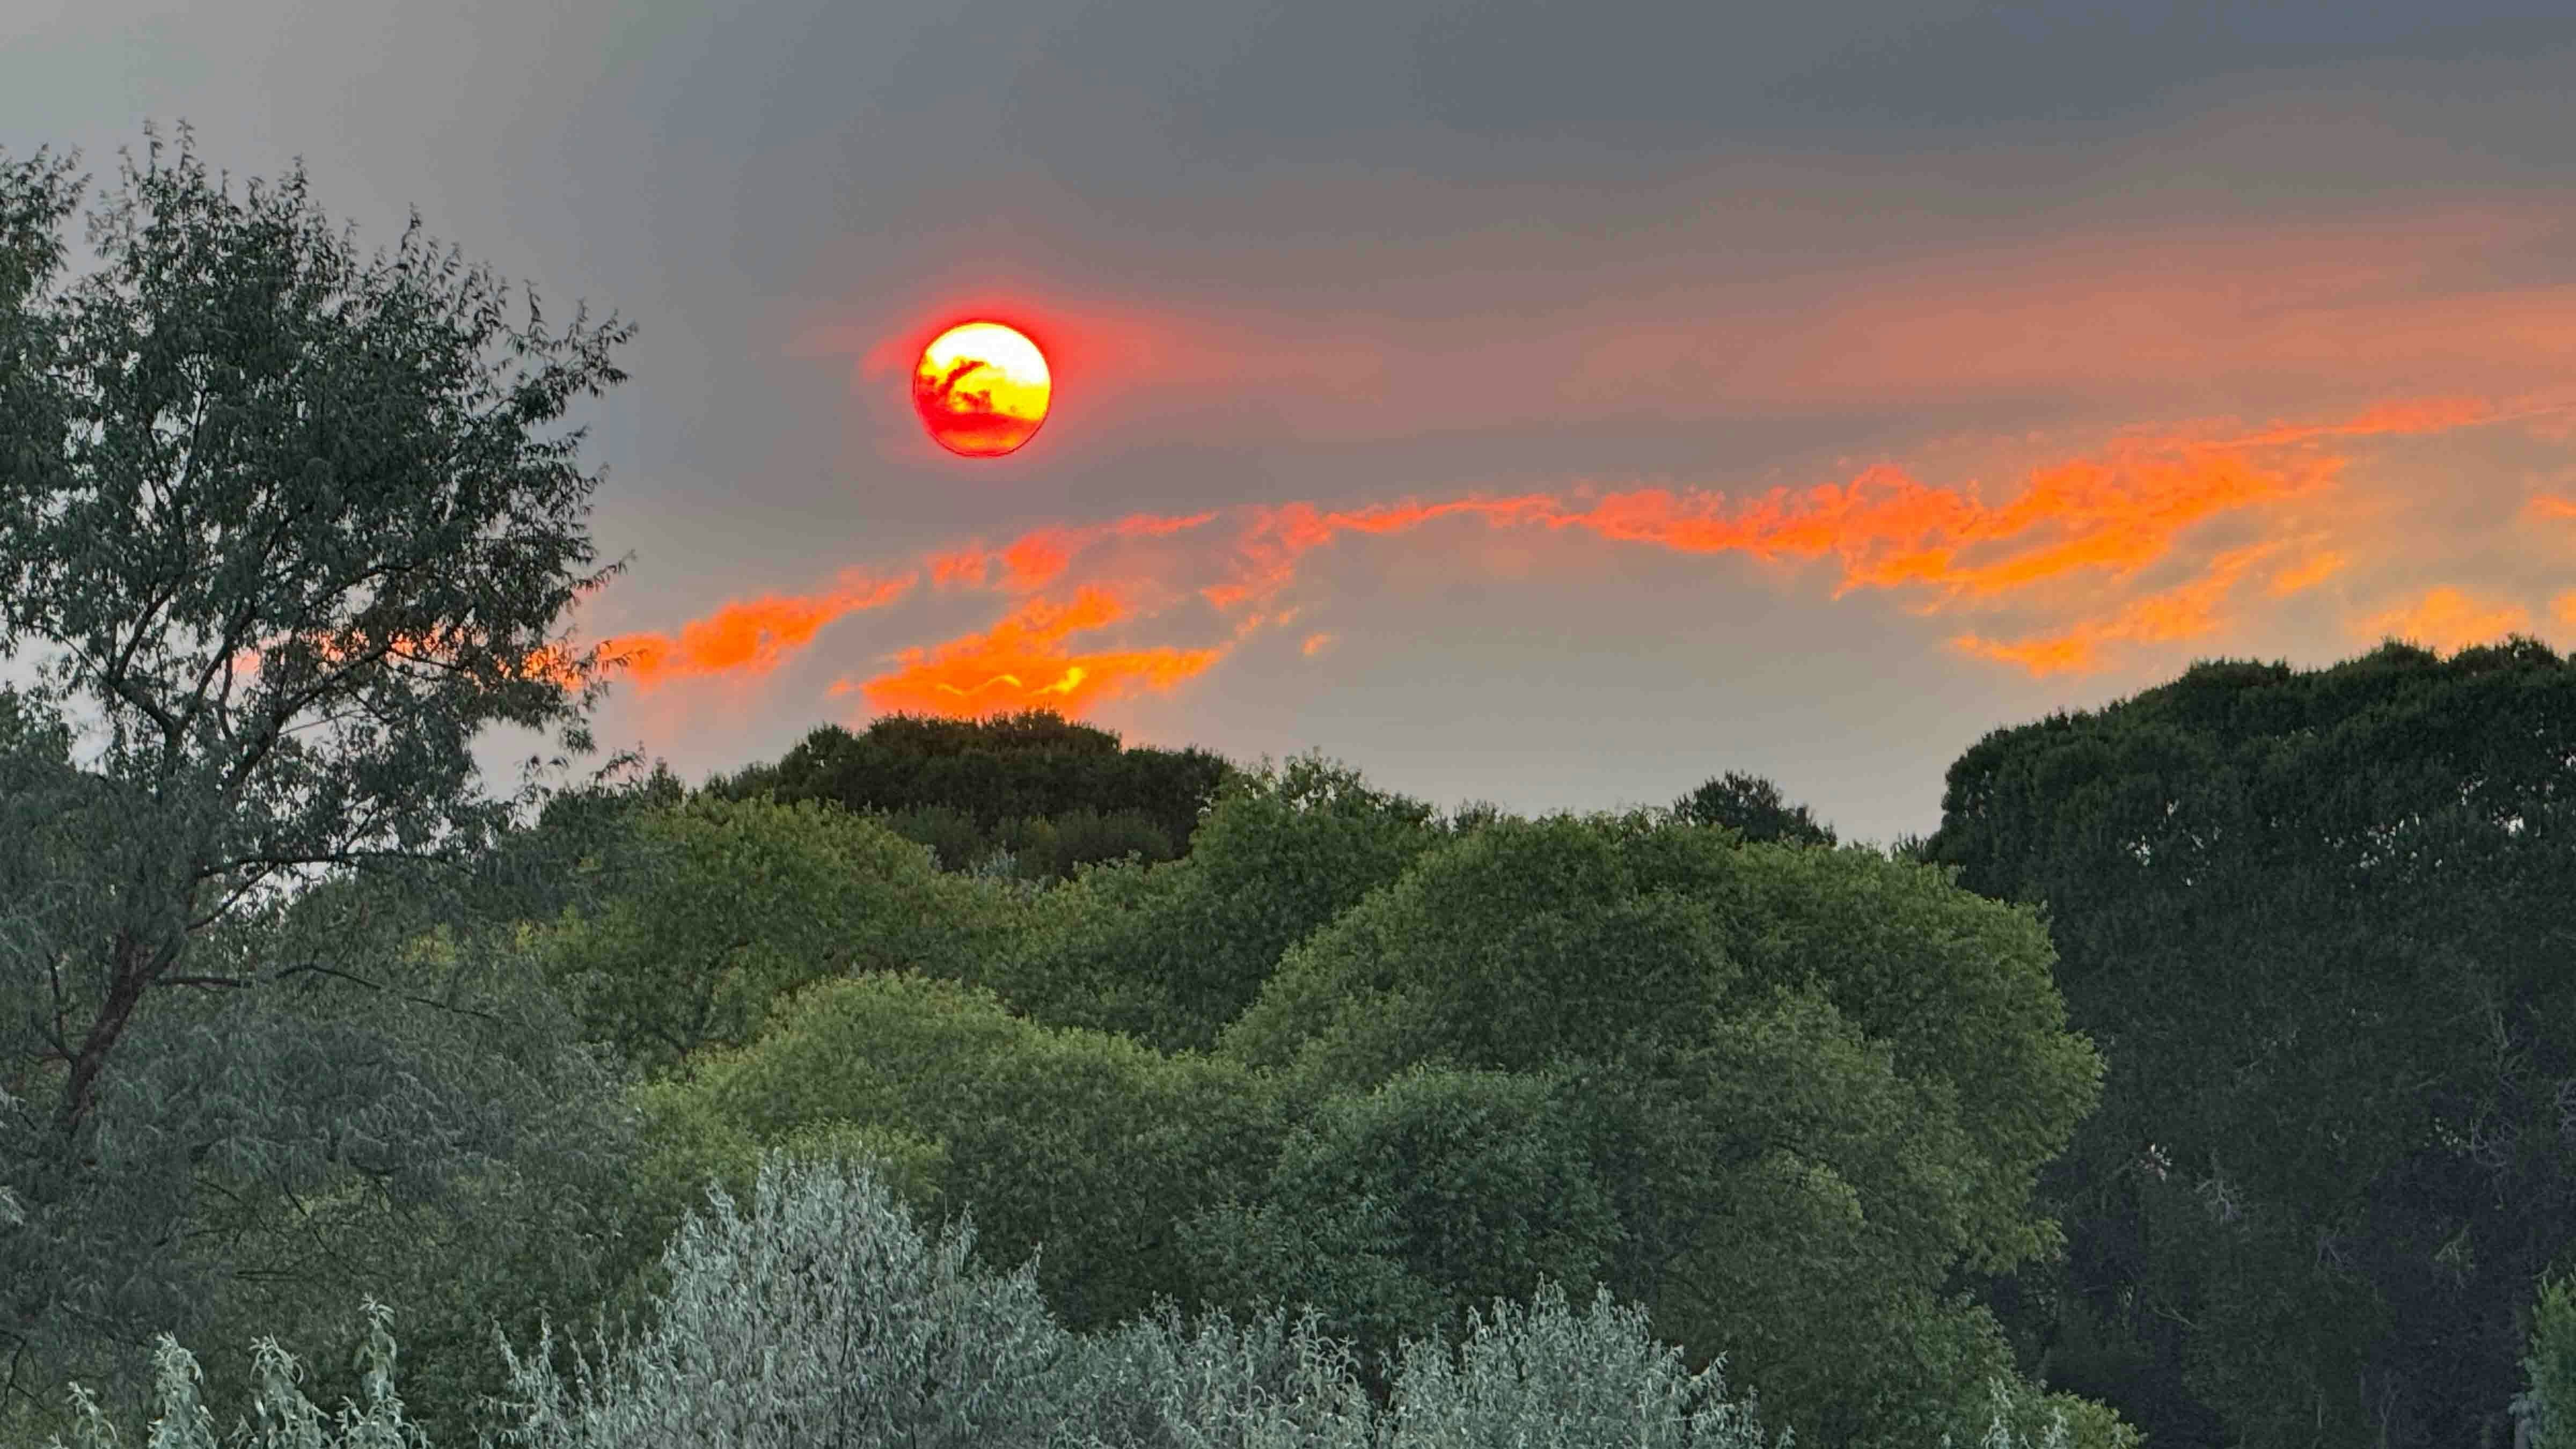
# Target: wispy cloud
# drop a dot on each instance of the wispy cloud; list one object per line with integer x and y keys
{"x": 2066, "y": 543}
{"x": 1023, "y": 662}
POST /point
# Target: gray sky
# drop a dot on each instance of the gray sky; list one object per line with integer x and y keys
{"x": 1557, "y": 405}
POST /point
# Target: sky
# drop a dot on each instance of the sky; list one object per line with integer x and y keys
{"x": 1549, "y": 405}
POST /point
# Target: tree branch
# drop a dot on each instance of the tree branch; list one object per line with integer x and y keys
{"x": 318, "y": 967}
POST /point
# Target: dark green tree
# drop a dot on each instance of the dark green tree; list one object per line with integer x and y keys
{"x": 2318, "y": 921}
{"x": 299, "y": 523}
{"x": 1752, "y": 806}
{"x": 1051, "y": 849}
{"x": 994, "y": 771}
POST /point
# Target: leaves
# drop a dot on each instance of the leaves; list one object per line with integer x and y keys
{"x": 298, "y": 524}
{"x": 2316, "y": 919}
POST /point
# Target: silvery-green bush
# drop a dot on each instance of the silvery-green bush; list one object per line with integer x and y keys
{"x": 2550, "y": 1367}
{"x": 823, "y": 1320}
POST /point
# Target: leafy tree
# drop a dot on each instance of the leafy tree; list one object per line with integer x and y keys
{"x": 1082, "y": 1141}
{"x": 1030, "y": 765}
{"x": 1169, "y": 954}
{"x": 236, "y": 435}
{"x": 2317, "y": 920}
{"x": 579, "y": 853}
{"x": 751, "y": 901}
{"x": 1407, "y": 1206}
{"x": 1813, "y": 1081}
{"x": 1474, "y": 815}
{"x": 1753, "y": 808}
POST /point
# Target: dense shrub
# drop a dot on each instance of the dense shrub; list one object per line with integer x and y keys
{"x": 825, "y": 1318}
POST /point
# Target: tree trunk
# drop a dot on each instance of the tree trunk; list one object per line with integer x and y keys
{"x": 132, "y": 972}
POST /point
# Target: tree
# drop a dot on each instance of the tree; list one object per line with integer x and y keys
{"x": 233, "y": 449}
{"x": 1753, "y": 808}
{"x": 1407, "y": 1206}
{"x": 1811, "y": 1081}
{"x": 1076, "y": 1139}
{"x": 747, "y": 903}
{"x": 2318, "y": 922}
{"x": 1169, "y": 954}
{"x": 1006, "y": 768}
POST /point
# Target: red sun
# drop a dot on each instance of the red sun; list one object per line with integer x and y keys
{"x": 982, "y": 389}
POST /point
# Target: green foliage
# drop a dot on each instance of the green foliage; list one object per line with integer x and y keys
{"x": 1084, "y": 958}
{"x": 1170, "y": 954}
{"x": 237, "y": 435}
{"x": 825, "y": 1307}
{"x": 1752, "y": 807}
{"x": 2550, "y": 1367}
{"x": 2317, "y": 921}
{"x": 1405, "y": 1207}
{"x": 287, "y": 1419}
{"x": 1033, "y": 765}
{"x": 1052, "y": 850}
{"x": 955, "y": 842}
{"x": 752, "y": 901}
{"x": 462, "y": 1049}
{"x": 1777, "y": 1045}
{"x": 688, "y": 1145}
{"x": 1473, "y": 815}
{"x": 1086, "y": 1142}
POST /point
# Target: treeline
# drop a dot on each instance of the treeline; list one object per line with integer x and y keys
{"x": 1032, "y": 796}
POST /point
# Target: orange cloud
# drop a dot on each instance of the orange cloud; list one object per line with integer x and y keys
{"x": 2445, "y": 620}
{"x": 2068, "y": 533}
{"x": 2119, "y": 512}
{"x": 2298, "y": 576}
{"x": 1276, "y": 538}
{"x": 2405, "y": 417}
{"x": 2184, "y": 612}
{"x": 746, "y": 638}
{"x": 1021, "y": 663}
{"x": 1037, "y": 557}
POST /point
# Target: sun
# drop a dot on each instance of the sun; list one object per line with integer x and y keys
{"x": 982, "y": 389}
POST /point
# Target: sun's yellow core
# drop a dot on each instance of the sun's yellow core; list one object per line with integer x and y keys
{"x": 982, "y": 389}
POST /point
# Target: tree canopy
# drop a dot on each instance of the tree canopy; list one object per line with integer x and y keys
{"x": 299, "y": 523}
{"x": 1006, "y": 768}
{"x": 1752, "y": 807}
{"x": 2317, "y": 920}
{"x": 1831, "y": 1024}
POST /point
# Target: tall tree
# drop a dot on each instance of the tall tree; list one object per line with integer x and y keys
{"x": 1003, "y": 768}
{"x": 1809, "y": 1081}
{"x": 1169, "y": 954}
{"x": 235, "y": 451}
{"x": 1752, "y": 806}
{"x": 2318, "y": 922}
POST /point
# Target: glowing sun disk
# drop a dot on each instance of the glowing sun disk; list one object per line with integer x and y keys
{"x": 982, "y": 389}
